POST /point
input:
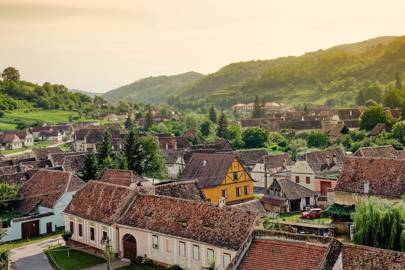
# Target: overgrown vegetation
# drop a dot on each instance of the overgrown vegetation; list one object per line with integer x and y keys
{"x": 378, "y": 223}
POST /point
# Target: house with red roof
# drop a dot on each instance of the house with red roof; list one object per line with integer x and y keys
{"x": 41, "y": 201}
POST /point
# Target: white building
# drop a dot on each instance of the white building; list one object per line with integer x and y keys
{"x": 43, "y": 199}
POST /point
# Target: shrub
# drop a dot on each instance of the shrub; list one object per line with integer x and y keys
{"x": 66, "y": 235}
{"x": 137, "y": 260}
{"x": 338, "y": 212}
{"x": 174, "y": 267}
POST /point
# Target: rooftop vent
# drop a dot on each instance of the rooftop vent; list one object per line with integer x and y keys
{"x": 204, "y": 163}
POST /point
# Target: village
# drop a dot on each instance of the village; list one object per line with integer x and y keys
{"x": 218, "y": 207}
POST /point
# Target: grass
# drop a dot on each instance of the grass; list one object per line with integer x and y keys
{"x": 296, "y": 217}
{"x": 58, "y": 257}
{"x": 48, "y": 116}
{"x": 7, "y": 126}
{"x": 21, "y": 243}
{"x": 41, "y": 144}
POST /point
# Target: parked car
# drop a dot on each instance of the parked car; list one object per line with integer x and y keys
{"x": 312, "y": 213}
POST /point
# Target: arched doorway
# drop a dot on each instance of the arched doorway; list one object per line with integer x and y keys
{"x": 129, "y": 246}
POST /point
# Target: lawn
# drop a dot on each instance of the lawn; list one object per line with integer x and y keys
{"x": 296, "y": 217}
{"x": 41, "y": 144}
{"x": 76, "y": 260}
{"x": 21, "y": 243}
{"x": 51, "y": 116}
{"x": 7, "y": 126}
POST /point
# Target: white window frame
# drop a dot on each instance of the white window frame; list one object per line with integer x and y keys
{"x": 210, "y": 258}
{"x": 182, "y": 249}
{"x": 226, "y": 255}
{"x": 196, "y": 252}
{"x": 155, "y": 241}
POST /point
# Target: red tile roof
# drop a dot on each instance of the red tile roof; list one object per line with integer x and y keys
{"x": 357, "y": 257}
{"x": 100, "y": 201}
{"x": 120, "y": 177}
{"x": 42, "y": 153}
{"x": 203, "y": 222}
{"x": 274, "y": 250}
{"x": 386, "y": 177}
{"x": 385, "y": 151}
{"x": 45, "y": 187}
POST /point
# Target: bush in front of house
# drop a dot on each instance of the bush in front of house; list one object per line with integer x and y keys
{"x": 339, "y": 212}
{"x": 66, "y": 236}
{"x": 174, "y": 267}
{"x": 137, "y": 260}
{"x": 4, "y": 259}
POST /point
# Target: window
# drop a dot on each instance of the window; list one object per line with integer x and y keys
{"x": 168, "y": 245}
{"x": 210, "y": 255}
{"x": 72, "y": 226}
{"x": 182, "y": 249}
{"x": 308, "y": 180}
{"x": 235, "y": 176}
{"x": 237, "y": 191}
{"x": 92, "y": 234}
{"x": 196, "y": 252}
{"x": 246, "y": 188}
{"x": 224, "y": 193}
{"x": 155, "y": 242}
{"x": 226, "y": 259}
{"x": 81, "y": 230}
{"x": 105, "y": 235}
{"x": 307, "y": 201}
{"x": 297, "y": 179}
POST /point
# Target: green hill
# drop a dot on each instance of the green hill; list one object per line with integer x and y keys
{"x": 153, "y": 89}
{"x": 315, "y": 77}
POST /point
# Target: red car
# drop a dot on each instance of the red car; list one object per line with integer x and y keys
{"x": 312, "y": 213}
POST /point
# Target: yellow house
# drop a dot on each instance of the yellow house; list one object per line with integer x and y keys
{"x": 220, "y": 176}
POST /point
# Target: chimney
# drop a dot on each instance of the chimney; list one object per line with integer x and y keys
{"x": 285, "y": 163}
{"x": 366, "y": 187}
{"x": 328, "y": 160}
{"x": 334, "y": 160}
{"x": 204, "y": 163}
{"x": 175, "y": 145}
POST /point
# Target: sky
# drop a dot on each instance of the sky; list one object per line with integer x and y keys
{"x": 98, "y": 45}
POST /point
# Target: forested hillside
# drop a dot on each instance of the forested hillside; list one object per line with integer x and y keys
{"x": 19, "y": 94}
{"x": 153, "y": 89}
{"x": 333, "y": 76}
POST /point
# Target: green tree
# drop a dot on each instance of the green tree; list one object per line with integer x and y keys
{"x": 149, "y": 118}
{"x": 258, "y": 109}
{"x": 153, "y": 164}
{"x": 372, "y": 116}
{"x": 255, "y": 137}
{"x": 122, "y": 162}
{"x": 296, "y": 147}
{"x": 378, "y": 223}
{"x": 11, "y": 74}
{"x": 277, "y": 142}
{"x": 213, "y": 115}
{"x": 7, "y": 192}
{"x": 235, "y": 136}
{"x": 317, "y": 139}
{"x": 398, "y": 131}
{"x": 398, "y": 81}
{"x": 370, "y": 102}
{"x": 393, "y": 99}
{"x": 370, "y": 90}
{"x": 90, "y": 168}
{"x": 222, "y": 129}
{"x": 205, "y": 128}
{"x": 133, "y": 152}
{"x": 129, "y": 124}
{"x": 105, "y": 152}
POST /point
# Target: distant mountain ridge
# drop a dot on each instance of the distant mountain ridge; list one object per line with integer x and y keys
{"x": 153, "y": 89}
{"x": 90, "y": 94}
{"x": 318, "y": 77}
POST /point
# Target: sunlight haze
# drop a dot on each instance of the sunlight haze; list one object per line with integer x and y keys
{"x": 100, "y": 45}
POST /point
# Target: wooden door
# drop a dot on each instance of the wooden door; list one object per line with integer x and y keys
{"x": 325, "y": 186}
{"x": 129, "y": 246}
{"x": 30, "y": 229}
{"x": 49, "y": 227}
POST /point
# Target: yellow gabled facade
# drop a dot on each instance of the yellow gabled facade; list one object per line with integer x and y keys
{"x": 236, "y": 186}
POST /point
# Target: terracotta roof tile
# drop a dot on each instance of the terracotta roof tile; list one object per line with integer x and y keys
{"x": 203, "y": 222}
{"x": 184, "y": 189}
{"x": 45, "y": 187}
{"x": 101, "y": 202}
{"x": 42, "y": 153}
{"x": 277, "y": 162}
{"x": 121, "y": 177}
{"x": 251, "y": 156}
{"x": 385, "y": 151}
{"x": 292, "y": 191}
{"x": 386, "y": 177}
{"x": 357, "y": 257}
{"x": 317, "y": 160}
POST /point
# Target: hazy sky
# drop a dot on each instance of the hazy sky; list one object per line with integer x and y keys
{"x": 98, "y": 45}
